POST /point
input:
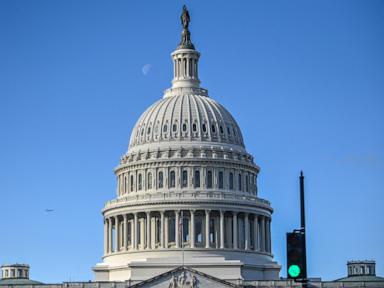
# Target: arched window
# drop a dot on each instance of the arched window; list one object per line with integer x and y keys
{"x": 239, "y": 182}
{"x": 231, "y": 181}
{"x": 161, "y": 179}
{"x": 149, "y": 180}
{"x": 246, "y": 183}
{"x": 185, "y": 178}
{"x": 172, "y": 179}
{"x": 184, "y": 127}
{"x": 131, "y": 183}
{"x": 140, "y": 180}
{"x": 221, "y": 180}
{"x": 194, "y": 127}
{"x": 197, "y": 179}
{"x": 213, "y": 128}
{"x": 204, "y": 128}
{"x": 209, "y": 180}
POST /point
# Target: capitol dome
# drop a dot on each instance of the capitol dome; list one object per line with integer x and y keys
{"x": 188, "y": 116}
{"x": 186, "y": 190}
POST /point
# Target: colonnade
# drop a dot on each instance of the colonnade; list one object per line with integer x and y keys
{"x": 217, "y": 229}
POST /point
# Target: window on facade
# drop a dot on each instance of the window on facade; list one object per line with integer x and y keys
{"x": 140, "y": 180}
{"x": 194, "y": 127}
{"x": 239, "y": 182}
{"x": 197, "y": 178}
{"x": 165, "y": 128}
{"x": 172, "y": 179}
{"x": 229, "y": 131}
{"x": 131, "y": 182}
{"x": 149, "y": 180}
{"x": 209, "y": 179}
{"x": 231, "y": 181}
{"x": 204, "y": 128}
{"x": 221, "y": 130}
{"x": 213, "y": 128}
{"x": 246, "y": 183}
{"x": 125, "y": 184}
{"x": 174, "y": 127}
{"x": 171, "y": 229}
{"x": 185, "y": 178}
{"x": 185, "y": 127}
{"x": 149, "y": 130}
{"x": 161, "y": 179}
{"x": 221, "y": 180}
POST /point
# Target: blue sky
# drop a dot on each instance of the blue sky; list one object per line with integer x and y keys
{"x": 304, "y": 79}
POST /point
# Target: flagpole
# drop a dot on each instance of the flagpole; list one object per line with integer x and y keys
{"x": 182, "y": 235}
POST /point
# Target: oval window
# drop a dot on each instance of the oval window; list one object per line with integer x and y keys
{"x": 194, "y": 127}
{"x": 184, "y": 127}
{"x": 174, "y": 127}
{"x": 213, "y": 128}
{"x": 204, "y": 128}
{"x": 165, "y": 128}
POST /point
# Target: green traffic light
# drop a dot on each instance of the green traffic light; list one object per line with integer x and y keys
{"x": 294, "y": 271}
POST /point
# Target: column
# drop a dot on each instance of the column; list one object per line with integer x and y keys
{"x": 135, "y": 231}
{"x": 177, "y": 232}
{"x": 117, "y": 234}
{"x": 192, "y": 230}
{"x": 221, "y": 229}
{"x": 162, "y": 229}
{"x": 148, "y": 242}
{"x": 142, "y": 233}
{"x": 267, "y": 235}
{"x": 255, "y": 233}
{"x": 207, "y": 229}
{"x": 235, "y": 233}
{"x": 262, "y": 238}
{"x": 105, "y": 236}
{"x": 246, "y": 232}
{"x": 125, "y": 232}
{"x": 110, "y": 231}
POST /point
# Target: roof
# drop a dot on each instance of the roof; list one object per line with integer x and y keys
{"x": 361, "y": 278}
{"x": 18, "y": 281}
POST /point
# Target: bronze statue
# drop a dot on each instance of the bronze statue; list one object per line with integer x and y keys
{"x": 185, "y": 18}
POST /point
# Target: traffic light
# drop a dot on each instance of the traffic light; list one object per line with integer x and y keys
{"x": 296, "y": 258}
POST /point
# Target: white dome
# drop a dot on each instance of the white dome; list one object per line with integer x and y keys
{"x": 185, "y": 118}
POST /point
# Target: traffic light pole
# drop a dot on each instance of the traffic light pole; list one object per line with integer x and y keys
{"x": 302, "y": 219}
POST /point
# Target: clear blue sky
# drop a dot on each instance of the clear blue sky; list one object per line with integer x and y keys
{"x": 304, "y": 79}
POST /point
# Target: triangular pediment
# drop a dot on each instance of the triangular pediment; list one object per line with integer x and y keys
{"x": 184, "y": 277}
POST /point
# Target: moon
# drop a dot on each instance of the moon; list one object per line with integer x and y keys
{"x": 145, "y": 69}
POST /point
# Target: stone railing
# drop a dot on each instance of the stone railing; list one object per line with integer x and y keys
{"x": 264, "y": 284}
{"x": 186, "y": 196}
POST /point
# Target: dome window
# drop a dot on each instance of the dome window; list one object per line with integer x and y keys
{"x": 149, "y": 130}
{"x": 239, "y": 182}
{"x": 140, "y": 180}
{"x": 221, "y": 180}
{"x": 229, "y": 131}
{"x": 184, "y": 127}
{"x": 234, "y": 132}
{"x": 209, "y": 180}
{"x": 172, "y": 179}
{"x": 194, "y": 127}
{"x": 161, "y": 179}
{"x": 165, "y": 128}
{"x": 213, "y": 128}
{"x": 231, "y": 181}
{"x": 197, "y": 179}
{"x": 149, "y": 181}
{"x": 221, "y": 129}
{"x": 174, "y": 127}
{"x": 185, "y": 178}
{"x": 142, "y": 132}
{"x": 204, "y": 128}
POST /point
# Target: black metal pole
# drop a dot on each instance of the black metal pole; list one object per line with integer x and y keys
{"x": 302, "y": 206}
{"x": 302, "y": 214}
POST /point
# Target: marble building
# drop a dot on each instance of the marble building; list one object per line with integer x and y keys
{"x": 187, "y": 190}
